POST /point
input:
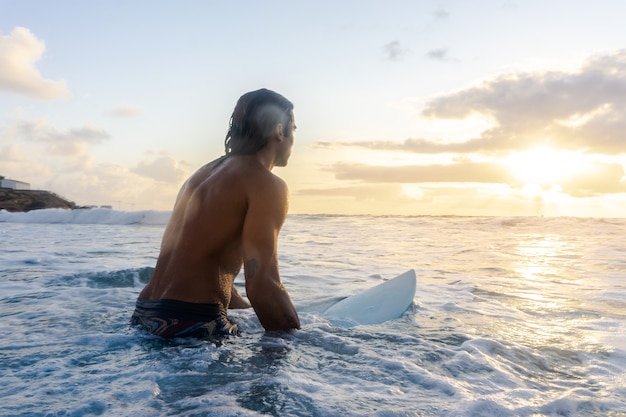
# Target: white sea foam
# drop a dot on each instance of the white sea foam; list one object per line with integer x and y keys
{"x": 88, "y": 216}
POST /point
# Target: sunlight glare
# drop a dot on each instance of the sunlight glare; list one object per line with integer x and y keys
{"x": 413, "y": 191}
{"x": 544, "y": 165}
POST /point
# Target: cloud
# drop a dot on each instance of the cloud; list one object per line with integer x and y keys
{"x": 582, "y": 110}
{"x": 441, "y": 14}
{"x": 595, "y": 179}
{"x": 425, "y": 146}
{"x": 19, "y": 51}
{"x": 354, "y": 199}
{"x": 11, "y": 153}
{"x": 440, "y": 54}
{"x": 164, "y": 169}
{"x": 26, "y": 148}
{"x": 361, "y": 192}
{"x": 465, "y": 171}
{"x": 80, "y": 180}
{"x": 68, "y": 142}
{"x": 393, "y": 51}
{"x": 125, "y": 111}
{"x": 109, "y": 184}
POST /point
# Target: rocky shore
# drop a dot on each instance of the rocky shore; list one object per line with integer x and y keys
{"x": 27, "y": 200}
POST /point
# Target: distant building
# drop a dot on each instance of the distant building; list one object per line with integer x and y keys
{"x": 14, "y": 184}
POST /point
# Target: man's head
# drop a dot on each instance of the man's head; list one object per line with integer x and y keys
{"x": 254, "y": 121}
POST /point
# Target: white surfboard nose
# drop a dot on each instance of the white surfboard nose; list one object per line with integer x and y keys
{"x": 386, "y": 301}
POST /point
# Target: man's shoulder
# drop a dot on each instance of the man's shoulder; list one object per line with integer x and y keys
{"x": 260, "y": 181}
{"x": 255, "y": 173}
{"x": 265, "y": 181}
{"x": 241, "y": 174}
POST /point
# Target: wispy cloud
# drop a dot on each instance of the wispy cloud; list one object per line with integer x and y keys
{"x": 425, "y": 146}
{"x": 11, "y": 152}
{"x": 441, "y": 14}
{"x": 393, "y": 51}
{"x": 459, "y": 172}
{"x": 65, "y": 142}
{"x": 125, "y": 111}
{"x": 62, "y": 160}
{"x": 440, "y": 54}
{"x": 361, "y": 192}
{"x": 164, "y": 169}
{"x": 19, "y": 51}
{"x": 598, "y": 178}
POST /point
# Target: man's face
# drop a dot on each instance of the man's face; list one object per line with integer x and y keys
{"x": 284, "y": 151}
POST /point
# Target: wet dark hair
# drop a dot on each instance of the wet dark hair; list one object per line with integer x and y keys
{"x": 254, "y": 119}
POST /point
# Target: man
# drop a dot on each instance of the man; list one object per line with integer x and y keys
{"x": 227, "y": 214}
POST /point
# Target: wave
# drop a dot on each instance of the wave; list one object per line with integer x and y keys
{"x": 88, "y": 216}
{"x": 123, "y": 278}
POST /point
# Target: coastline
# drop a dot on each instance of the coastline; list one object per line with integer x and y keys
{"x": 26, "y": 200}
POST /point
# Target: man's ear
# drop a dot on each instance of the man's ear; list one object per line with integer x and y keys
{"x": 279, "y": 132}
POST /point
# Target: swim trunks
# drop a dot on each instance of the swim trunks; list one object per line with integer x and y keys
{"x": 173, "y": 318}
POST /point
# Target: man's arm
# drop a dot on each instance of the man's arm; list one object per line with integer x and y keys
{"x": 267, "y": 209}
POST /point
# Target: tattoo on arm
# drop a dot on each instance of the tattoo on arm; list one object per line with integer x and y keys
{"x": 250, "y": 268}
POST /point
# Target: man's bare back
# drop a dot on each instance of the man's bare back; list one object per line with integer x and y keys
{"x": 228, "y": 215}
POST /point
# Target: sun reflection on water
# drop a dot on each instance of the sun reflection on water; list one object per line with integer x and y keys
{"x": 539, "y": 265}
{"x": 540, "y": 289}
{"x": 539, "y": 257}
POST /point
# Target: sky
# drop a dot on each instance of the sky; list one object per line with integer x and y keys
{"x": 481, "y": 108}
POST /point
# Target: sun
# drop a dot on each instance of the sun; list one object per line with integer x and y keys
{"x": 544, "y": 165}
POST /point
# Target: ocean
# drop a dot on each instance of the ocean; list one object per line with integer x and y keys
{"x": 519, "y": 316}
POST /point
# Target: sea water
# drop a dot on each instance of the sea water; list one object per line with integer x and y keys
{"x": 512, "y": 317}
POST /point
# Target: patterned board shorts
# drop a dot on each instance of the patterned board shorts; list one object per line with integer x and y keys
{"x": 173, "y": 318}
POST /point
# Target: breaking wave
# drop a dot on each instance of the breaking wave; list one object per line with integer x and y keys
{"x": 87, "y": 216}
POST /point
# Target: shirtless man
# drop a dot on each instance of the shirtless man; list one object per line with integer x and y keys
{"x": 227, "y": 214}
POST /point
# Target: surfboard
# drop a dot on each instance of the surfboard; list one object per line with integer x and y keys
{"x": 383, "y": 302}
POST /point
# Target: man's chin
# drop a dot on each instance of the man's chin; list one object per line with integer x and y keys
{"x": 281, "y": 162}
